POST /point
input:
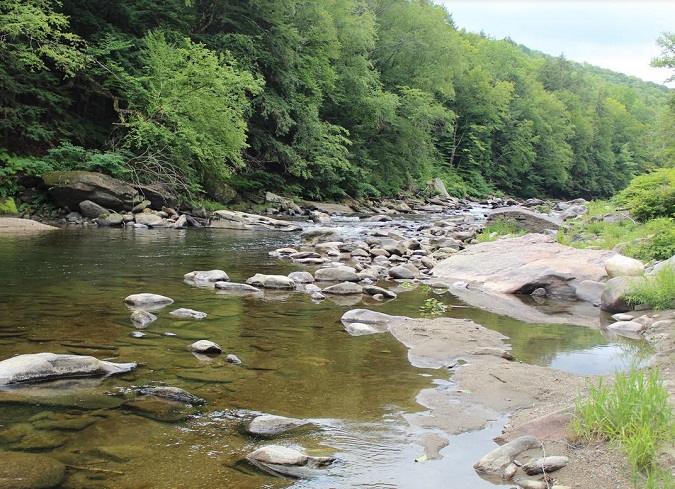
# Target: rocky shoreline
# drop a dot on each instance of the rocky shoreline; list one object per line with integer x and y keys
{"x": 487, "y": 383}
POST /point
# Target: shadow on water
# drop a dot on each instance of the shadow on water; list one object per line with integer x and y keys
{"x": 63, "y": 292}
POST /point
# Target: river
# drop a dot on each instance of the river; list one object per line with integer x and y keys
{"x": 63, "y": 292}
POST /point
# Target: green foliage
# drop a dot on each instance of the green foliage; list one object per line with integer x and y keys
{"x": 650, "y": 195}
{"x": 633, "y": 412}
{"x": 432, "y": 307}
{"x": 12, "y": 167}
{"x": 190, "y": 106}
{"x": 500, "y": 227}
{"x": 656, "y": 289}
{"x": 657, "y": 241}
{"x": 70, "y": 157}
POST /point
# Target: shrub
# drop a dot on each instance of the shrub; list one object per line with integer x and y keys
{"x": 659, "y": 241}
{"x": 651, "y": 195}
{"x": 500, "y": 227}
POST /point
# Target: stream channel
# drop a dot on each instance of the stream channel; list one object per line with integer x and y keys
{"x": 63, "y": 292}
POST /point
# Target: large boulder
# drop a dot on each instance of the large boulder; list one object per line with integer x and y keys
{"x": 37, "y": 367}
{"x": 91, "y": 209}
{"x": 321, "y": 235}
{"x": 521, "y": 265}
{"x": 158, "y": 195}
{"x": 241, "y": 220}
{"x": 288, "y": 462}
{"x": 619, "y": 265}
{"x": 336, "y": 274}
{"x": 69, "y": 188}
{"x": 525, "y": 219}
{"x": 612, "y": 299}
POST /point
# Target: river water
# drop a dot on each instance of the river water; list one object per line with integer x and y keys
{"x": 63, "y": 292}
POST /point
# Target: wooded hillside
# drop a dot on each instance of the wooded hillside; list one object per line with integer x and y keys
{"x": 321, "y": 99}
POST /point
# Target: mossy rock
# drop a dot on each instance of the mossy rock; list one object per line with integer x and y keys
{"x": 8, "y": 207}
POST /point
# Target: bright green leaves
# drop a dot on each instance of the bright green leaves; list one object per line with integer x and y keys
{"x": 35, "y": 36}
{"x": 190, "y": 104}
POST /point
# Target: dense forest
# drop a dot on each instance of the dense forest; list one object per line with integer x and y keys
{"x": 320, "y": 99}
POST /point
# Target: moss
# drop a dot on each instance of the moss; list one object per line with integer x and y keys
{"x": 8, "y": 207}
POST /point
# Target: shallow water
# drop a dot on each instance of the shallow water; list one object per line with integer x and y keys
{"x": 63, "y": 292}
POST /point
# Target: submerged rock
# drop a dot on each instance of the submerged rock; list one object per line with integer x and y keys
{"x": 368, "y": 317}
{"x": 159, "y": 408}
{"x": 37, "y": 367}
{"x": 142, "y": 318}
{"x": 188, "y": 313}
{"x": 29, "y": 471}
{"x": 360, "y": 329}
{"x": 172, "y": 394}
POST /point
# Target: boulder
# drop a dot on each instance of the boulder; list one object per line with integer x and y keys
{"x": 270, "y": 425}
{"x": 336, "y": 274}
{"x": 523, "y": 264}
{"x": 284, "y": 203}
{"x": 525, "y": 219}
{"x": 404, "y": 272}
{"x": 374, "y": 289}
{"x": 206, "y": 347}
{"x": 360, "y": 329}
{"x": 287, "y": 462}
{"x": 91, "y": 209}
{"x": 151, "y": 220}
{"x": 158, "y": 195}
{"x": 110, "y": 219}
{"x": 631, "y": 329}
{"x": 142, "y": 318}
{"x": 344, "y": 288}
{"x": 545, "y": 465}
{"x": 271, "y": 281}
{"x": 146, "y": 300}
{"x": 207, "y": 276}
{"x": 301, "y": 277}
{"x": 590, "y": 291}
{"x": 224, "y": 219}
{"x": 38, "y": 367}
{"x": 368, "y": 317}
{"x": 619, "y": 265}
{"x": 69, "y": 188}
{"x": 321, "y": 235}
{"x": 236, "y": 287}
{"x": 612, "y": 296}
{"x": 30, "y": 471}
{"x": 188, "y": 313}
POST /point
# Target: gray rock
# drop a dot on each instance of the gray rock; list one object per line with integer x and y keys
{"x": 301, "y": 277}
{"x": 368, "y": 317}
{"x": 236, "y": 287}
{"x": 145, "y": 300}
{"x": 321, "y": 235}
{"x": 37, "y": 367}
{"x": 142, "y": 318}
{"x": 403, "y": 272}
{"x": 92, "y": 209}
{"x": 545, "y": 465}
{"x": 619, "y": 265}
{"x": 110, "y": 219}
{"x": 141, "y": 206}
{"x": 271, "y": 281}
{"x": 69, "y": 188}
{"x": 344, "y": 288}
{"x": 590, "y": 291}
{"x": 497, "y": 460}
{"x": 158, "y": 195}
{"x": 171, "y": 393}
{"x": 241, "y": 220}
{"x": 207, "y": 276}
{"x": 270, "y": 425}
{"x": 612, "y": 299}
{"x": 284, "y": 461}
{"x": 524, "y": 218}
{"x": 206, "y": 347}
{"x": 188, "y": 313}
{"x": 30, "y": 471}
{"x": 374, "y": 289}
{"x": 151, "y": 220}
{"x": 233, "y": 359}
{"x": 627, "y": 328}
{"x": 336, "y": 274}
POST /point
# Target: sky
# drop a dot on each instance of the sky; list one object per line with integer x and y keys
{"x": 616, "y": 34}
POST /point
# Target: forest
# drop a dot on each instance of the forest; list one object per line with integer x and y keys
{"x": 321, "y": 99}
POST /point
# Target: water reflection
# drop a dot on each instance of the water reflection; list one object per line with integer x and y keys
{"x": 63, "y": 292}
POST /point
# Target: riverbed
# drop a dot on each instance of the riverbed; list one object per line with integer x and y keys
{"x": 63, "y": 292}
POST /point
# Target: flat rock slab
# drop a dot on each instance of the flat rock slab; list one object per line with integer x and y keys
{"x": 37, "y": 367}
{"x": 520, "y": 265}
{"x": 525, "y": 219}
{"x": 14, "y": 225}
{"x": 245, "y": 221}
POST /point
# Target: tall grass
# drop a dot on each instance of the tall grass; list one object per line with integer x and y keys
{"x": 500, "y": 227}
{"x": 633, "y": 413}
{"x": 656, "y": 289}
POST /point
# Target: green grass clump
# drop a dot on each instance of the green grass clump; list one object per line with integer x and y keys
{"x": 656, "y": 289}
{"x": 634, "y": 413}
{"x": 500, "y": 227}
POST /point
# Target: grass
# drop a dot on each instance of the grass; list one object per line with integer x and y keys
{"x": 634, "y": 414}
{"x": 656, "y": 289}
{"x": 500, "y": 227}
